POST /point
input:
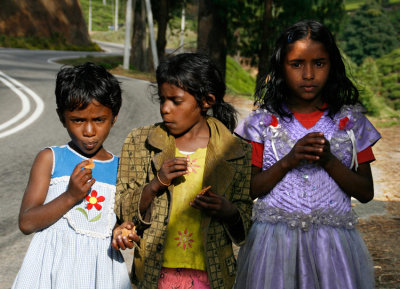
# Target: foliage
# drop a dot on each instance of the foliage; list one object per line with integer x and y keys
{"x": 356, "y": 4}
{"x": 54, "y": 42}
{"x": 247, "y": 21}
{"x": 390, "y": 68}
{"x": 238, "y": 81}
{"x": 368, "y": 79}
{"x": 368, "y": 33}
{"x": 103, "y": 15}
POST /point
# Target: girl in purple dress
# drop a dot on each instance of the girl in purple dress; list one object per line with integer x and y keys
{"x": 311, "y": 154}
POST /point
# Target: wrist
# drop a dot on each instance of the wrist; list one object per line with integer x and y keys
{"x": 329, "y": 163}
{"x": 69, "y": 199}
{"x": 285, "y": 164}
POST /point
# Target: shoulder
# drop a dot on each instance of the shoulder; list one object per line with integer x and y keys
{"x": 254, "y": 126}
{"x": 141, "y": 131}
{"x": 44, "y": 161}
{"x": 353, "y": 118}
{"x": 45, "y": 154}
{"x": 223, "y": 138}
{"x": 356, "y": 112}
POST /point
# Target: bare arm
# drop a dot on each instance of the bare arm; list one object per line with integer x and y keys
{"x": 34, "y": 215}
{"x": 357, "y": 184}
{"x": 170, "y": 170}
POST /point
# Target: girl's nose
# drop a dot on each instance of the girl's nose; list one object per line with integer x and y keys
{"x": 89, "y": 130}
{"x": 164, "y": 107}
{"x": 308, "y": 72}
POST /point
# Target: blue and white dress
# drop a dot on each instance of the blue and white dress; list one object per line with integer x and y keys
{"x": 76, "y": 252}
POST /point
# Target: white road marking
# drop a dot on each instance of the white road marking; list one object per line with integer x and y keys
{"x": 19, "y": 89}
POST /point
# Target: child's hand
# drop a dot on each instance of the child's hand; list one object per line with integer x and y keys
{"x": 172, "y": 169}
{"x": 325, "y": 156}
{"x": 309, "y": 148}
{"x": 214, "y": 205}
{"x": 80, "y": 182}
{"x": 124, "y": 236}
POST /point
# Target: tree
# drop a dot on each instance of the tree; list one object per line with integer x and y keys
{"x": 368, "y": 33}
{"x": 212, "y": 30}
{"x": 161, "y": 15}
{"x": 140, "y": 54}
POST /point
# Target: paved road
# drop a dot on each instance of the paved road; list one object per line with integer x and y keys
{"x": 27, "y": 80}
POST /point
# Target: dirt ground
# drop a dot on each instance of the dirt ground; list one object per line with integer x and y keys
{"x": 381, "y": 233}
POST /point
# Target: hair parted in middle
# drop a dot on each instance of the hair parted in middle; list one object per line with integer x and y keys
{"x": 196, "y": 74}
{"x": 338, "y": 90}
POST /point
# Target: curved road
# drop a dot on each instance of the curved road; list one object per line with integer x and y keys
{"x": 28, "y": 123}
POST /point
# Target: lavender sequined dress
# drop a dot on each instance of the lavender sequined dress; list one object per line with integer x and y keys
{"x": 304, "y": 233}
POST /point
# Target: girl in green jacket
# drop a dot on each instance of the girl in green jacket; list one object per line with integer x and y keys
{"x": 184, "y": 183}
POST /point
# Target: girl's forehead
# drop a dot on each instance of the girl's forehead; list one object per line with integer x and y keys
{"x": 306, "y": 46}
{"x": 169, "y": 89}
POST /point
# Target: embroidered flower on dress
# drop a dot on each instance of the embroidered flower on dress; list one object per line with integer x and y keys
{"x": 93, "y": 200}
{"x": 345, "y": 123}
{"x": 184, "y": 239}
{"x": 191, "y": 164}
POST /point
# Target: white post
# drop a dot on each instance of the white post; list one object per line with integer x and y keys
{"x": 90, "y": 16}
{"x": 151, "y": 29}
{"x": 104, "y": 2}
{"x": 181, "y": 50}
{"x": 116, "y": 15}
{"x": 128, "y": 27}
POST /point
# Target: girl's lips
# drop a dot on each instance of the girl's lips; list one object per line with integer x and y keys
{"x": 308, "y": 88}
{"x": 90, "y": 145}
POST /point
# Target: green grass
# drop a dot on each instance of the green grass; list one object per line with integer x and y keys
{"x": 103, "y": 15}
{"x": 238, "y": 80}
{"x": 351, "y": 5}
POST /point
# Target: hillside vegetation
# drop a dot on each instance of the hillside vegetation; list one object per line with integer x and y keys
{"x": 377, "y": 79}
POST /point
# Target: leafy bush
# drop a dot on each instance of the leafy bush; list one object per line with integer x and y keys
{"x": 368, "y": 33}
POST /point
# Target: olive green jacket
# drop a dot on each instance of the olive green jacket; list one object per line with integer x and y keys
{"x": 227, "y": 170}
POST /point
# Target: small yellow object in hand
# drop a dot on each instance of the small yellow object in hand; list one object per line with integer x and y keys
{"x": 90, "y": 165}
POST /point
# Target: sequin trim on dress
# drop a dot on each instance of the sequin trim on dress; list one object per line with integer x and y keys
{"x": 265, "y": 213}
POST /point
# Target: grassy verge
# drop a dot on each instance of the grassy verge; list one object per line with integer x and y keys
{"x": 55, "y": 42}
{"x": 351, "y": 5}
{"x": 111, "y": 63}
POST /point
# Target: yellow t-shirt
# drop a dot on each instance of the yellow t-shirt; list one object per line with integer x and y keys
{"x": 184, "y": 247}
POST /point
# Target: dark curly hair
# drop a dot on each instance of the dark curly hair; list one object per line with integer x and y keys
{"x": 78, "y": 86}
{"x": 338, "y": 90}
{"x": 199, "y": 76}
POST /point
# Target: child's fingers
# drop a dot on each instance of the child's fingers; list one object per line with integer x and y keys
{"x": 176, "y": 161}
{"x": 122, "y": 242}
{"x": 86, "y": 186}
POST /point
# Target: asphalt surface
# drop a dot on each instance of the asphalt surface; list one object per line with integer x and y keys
{"x": 32, "y": 74}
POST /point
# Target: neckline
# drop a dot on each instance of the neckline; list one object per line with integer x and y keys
{"x": 190, "y": 153}
{"x": 86, "y": 158}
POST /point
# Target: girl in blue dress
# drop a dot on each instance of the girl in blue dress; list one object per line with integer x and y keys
{"x": 68, "y": 203}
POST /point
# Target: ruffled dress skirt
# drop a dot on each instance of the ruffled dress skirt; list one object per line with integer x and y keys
{"x": 282, "y": 255}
